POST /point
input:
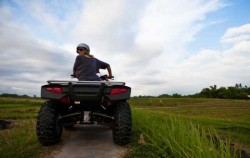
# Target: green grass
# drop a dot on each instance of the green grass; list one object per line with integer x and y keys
{"x": 180, "y": 127}
{"x": 230, "y": 118}
{"x": 15, "y": 108}
{"x": 19, "y": 140}
{"x": 16, "y": 101}
{"x": 172, "y": 102}
{"x": 171, "y": 136}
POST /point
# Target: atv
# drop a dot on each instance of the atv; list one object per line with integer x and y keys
{"x": 105, "y": 103}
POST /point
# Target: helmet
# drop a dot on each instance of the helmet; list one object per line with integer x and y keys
{"x": 83, "y": 45}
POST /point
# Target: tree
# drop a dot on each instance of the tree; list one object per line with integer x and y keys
{"x": 222, "y": 92}
{"x": 236, "y": 92}
{"x": 176, "y": 95}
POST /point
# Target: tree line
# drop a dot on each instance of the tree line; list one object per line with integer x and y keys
{"x": 16, "y": 95}
{"x": 232, "y": 92}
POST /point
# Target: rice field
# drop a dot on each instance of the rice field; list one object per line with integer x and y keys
{"x": 225, "y": 121}
{"x": 19, "y": 138}
{"x": 162, "y": 127}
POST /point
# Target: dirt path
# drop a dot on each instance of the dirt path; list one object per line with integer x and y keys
{"x": 85, "y": 141}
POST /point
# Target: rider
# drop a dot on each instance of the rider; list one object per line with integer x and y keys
{"x": 86, "y": 66}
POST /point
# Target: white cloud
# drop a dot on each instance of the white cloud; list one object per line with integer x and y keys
{"x": 208, "y": 67}
{"x": 98, "y": 24}
{"x": 144, "y": 41}
{"x": 27, "y": 62}
{"x": 237, "y": 34}
{"x": 17, "y": 88}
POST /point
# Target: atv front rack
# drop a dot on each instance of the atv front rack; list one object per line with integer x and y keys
{"x": 63, "y": 82}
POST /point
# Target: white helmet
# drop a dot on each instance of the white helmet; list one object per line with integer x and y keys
{"x": 83, "y": 45}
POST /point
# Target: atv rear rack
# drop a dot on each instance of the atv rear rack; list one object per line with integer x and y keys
{"x": 63, "y": 82}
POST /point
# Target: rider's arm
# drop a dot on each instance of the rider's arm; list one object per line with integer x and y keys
{"x": 102, "y": 65}
{"x": 109, "y": 72}
{"x": 74, "y": 67}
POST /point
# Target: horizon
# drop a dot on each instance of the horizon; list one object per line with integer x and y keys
{"x": 145, "y": 95}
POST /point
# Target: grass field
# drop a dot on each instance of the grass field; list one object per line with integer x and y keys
{"x": 19, "y": 140}
{"x": 181, "y": 127}
{"x": 229, "y": 118}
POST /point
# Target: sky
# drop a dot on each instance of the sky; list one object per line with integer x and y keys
{"x": 155, "y": 46}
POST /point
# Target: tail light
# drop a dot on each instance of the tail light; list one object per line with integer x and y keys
{"x": 118, "y": 91}
{"x": 57, "y": 90}
{"x": 65, "y": 100}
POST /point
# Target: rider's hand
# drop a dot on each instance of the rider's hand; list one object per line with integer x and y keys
{"x": 110, "y": 77}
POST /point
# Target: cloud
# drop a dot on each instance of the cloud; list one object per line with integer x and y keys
{"x": 208, "y": 67}
{"x": 237, "y": 34}
{"x": 100, "y": 24}
{"x": 27, "y": 62}
{"x": 145, "y": 42}
{"x": 163, "y": 33}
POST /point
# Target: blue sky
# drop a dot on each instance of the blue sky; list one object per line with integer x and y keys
{"x": 235, "y": 13}
{"x": 156, "y": 46}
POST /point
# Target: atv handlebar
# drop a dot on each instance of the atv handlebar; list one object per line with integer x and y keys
{"x": 106, "y": 77}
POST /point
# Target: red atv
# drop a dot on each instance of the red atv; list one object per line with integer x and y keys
{"x": 104, "y": 101}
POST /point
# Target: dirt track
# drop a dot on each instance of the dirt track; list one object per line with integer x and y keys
{"x": 85, "y": 141}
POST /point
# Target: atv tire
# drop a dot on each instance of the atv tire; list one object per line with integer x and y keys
{"x": 68, "y": 127}
{"x": 122, "y": 124}
{"x": 49, "y": 128}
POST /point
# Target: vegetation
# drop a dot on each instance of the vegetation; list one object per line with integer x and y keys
{"x": 236, "y": 92}
{"x": 227, "y": 119}
{"x": 170, "y": 136}
{"x": 162, "y": 127}
{"x": 14, "y": 95}
{"x": 19, "y": 139}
